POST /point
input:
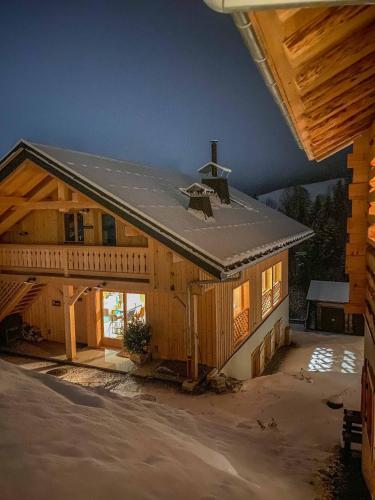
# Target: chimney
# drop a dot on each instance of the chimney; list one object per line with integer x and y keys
{"x": 214, "y": 158}
{"x": 216, "y": 176}
{"x": 199, "y": 198}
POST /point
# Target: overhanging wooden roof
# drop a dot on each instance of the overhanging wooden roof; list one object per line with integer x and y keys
{"x": 323, "y": 60}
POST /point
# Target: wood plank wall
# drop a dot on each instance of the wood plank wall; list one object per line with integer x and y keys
{"x": 358, "y": 230}
{"x": 224, "y": 296}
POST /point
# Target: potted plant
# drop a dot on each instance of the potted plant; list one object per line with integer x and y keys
{"x": 137, "y": 340}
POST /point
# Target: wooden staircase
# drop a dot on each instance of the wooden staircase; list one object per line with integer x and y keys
{"x": 15, "y": 296}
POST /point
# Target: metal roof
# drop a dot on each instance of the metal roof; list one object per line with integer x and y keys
{"x": 149, "y": 197}
{"x": 329, "y": 291}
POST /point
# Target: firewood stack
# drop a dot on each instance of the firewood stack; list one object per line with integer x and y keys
{"x": 31, "y": 333}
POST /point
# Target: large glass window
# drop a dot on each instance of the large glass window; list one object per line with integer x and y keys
{"x": 108, "y": 230}
{"x": 271, "y": 287}
{"x": 73, "y": 227}
{"x": 119, "y": 307}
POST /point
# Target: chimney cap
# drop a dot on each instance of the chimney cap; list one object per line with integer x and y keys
{"x": 197, "y": 189}
{"x": 207, "y": 169}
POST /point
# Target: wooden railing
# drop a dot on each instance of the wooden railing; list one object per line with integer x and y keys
{"x": 271, "y": 298}
{"x": 241, "y": 326}
{"x": 75, "y": 259}
{"x": 276, "y": 292}
{"x": 266, "y": 302}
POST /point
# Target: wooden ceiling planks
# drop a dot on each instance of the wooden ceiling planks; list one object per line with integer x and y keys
{"x": 323, "y": 60}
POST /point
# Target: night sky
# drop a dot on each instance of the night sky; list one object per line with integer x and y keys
{"x": 145, "y": 80}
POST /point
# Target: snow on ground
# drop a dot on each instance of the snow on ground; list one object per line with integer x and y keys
{"x": 268, "y": 441}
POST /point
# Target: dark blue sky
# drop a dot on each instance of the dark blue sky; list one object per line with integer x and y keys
{"x": 145, "y": 80}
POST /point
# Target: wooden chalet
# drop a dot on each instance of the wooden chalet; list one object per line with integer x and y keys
{"x": 86, "y": 241}
{"x": 319, "y": 63}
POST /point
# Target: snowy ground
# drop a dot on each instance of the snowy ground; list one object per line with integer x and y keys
{"x": 142, "y": 440}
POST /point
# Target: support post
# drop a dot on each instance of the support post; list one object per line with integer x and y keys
{"x": 94, "y": 319}
{"x": 195, "y": 337}
{"x": 69, "y": 322}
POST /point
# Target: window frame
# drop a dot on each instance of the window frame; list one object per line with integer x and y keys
{"x": 272, "y": 278}
{"x": 77, "y": 229}
{"x": 112, "y": 340}
{"x": 107, "y": 243}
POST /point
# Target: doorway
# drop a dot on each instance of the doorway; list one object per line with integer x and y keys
{"x": 333, "y": 319}
{"x": 118, "y": 309}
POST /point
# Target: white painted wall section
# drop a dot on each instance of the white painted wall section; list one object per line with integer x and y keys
{"x": 239, "y": 365}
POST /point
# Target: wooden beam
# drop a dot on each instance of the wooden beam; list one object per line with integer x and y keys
{"x": 77, "y": 294}
{"x": 348, "y": 117}
{"x": 69, "y": 322}
{"x": 337, "y": 59}
{"x": 8, "y": 201}
{"x": 326, "y": 30}
{"x": 343, "y": 102}
{"x": 94, "y": 318}
{"x": 52, "y": 205}
{"x": 47, "y": 187}
{"x": 342, "y": 84}
{"x": 325, "y": 146}
{"x": 14, "y": 300}
{"x": 126, "y": 284}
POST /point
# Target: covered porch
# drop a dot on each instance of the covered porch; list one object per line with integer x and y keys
{"x": 104, "y": 358}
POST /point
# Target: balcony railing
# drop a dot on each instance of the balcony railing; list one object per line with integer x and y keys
{"x": 266, "y": 302}
{"x": 241, "y": 326}
{"x": 75, "y": 259}
{"x": 271, "y": 298}
{"x": 276, "y": 292}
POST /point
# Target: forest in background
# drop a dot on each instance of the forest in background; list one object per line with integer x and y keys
{"x": 323, "y": 256}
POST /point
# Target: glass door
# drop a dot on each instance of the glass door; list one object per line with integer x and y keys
{"x": 118, "y": 308}
{"x": 113, "y": 314}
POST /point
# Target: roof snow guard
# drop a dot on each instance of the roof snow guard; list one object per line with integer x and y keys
{"x": 149, "y": 198}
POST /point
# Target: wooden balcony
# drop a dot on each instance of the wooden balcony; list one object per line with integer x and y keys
{"x": 69, "y": 260}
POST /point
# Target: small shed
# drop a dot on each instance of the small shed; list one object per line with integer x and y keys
{"x": 326, "y": 311}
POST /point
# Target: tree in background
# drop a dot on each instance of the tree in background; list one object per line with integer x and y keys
{"x": 323, "y": 256}
{"x": 295, "y": 202}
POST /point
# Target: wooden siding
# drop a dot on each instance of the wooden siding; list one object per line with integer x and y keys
{"x": 224, "y": 295}
{"x": 358, "y": 228}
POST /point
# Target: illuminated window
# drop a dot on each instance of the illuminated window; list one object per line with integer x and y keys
{"x": 119, "y": 307}
{"x": 271, "y": 287}
{"x": 73, "y": 227}
{"x": 241, "y": 323}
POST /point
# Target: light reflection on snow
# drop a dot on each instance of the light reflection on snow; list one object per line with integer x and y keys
{"x": 327, "y": 359}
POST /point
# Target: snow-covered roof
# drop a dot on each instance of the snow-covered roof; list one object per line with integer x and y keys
{"x": 329, "y": 291}
{"x": 150, "y": 198}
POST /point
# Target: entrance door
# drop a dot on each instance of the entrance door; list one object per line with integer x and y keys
{"x": 118, "y": 308}
{"x": 113, "y": 315}
{"x": 333, "y": 319}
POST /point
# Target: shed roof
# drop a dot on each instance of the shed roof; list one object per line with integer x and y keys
{"x": 150, "y": 198}
{"x": 329, "y": 291}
